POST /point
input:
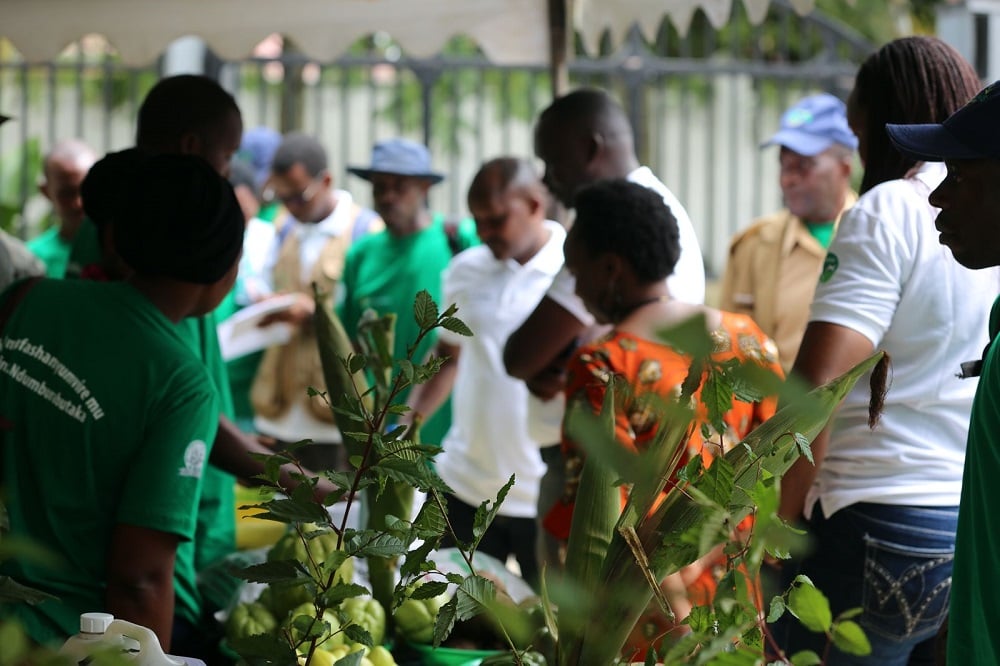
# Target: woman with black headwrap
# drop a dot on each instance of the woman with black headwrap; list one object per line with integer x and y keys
{"x": 106, "y": 415}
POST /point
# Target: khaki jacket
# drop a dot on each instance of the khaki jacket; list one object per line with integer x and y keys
{"x": 771, "y": 275}
{"x": 287, "y": 371}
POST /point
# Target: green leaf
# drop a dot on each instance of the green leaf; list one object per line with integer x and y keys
{"x": 382, "y": 545}
{"x": 700, "y": 619}
{"x": 474, "y": 596}
{"x": 351, "y": 659}
{"x": 276, "y": 571}
{"x": 850, "y": 614}
{"x": 430, "y": 521}
{"x": 293, "y": 510}
{"x": 273, "y": 649}
{"x": 445, "y": 620}
{"x": 739, "y": 657}
{"x": 407, "y": 370}
{"x": 802, "y": 443}
{"x": 486, "y": 513}
{"x": 11, "y": 590}
{"x": 717, "y": 396}
{"x": 13, "y": 643}
{"x": 806, "y": 658}
{"x": 811, "y": 607}
{"x": 356, "y": 362}
{"x": 691, "y": 471}
{"x": 429, "y": 590}
{"x": 777, "y": 609}
{"x": 456, "y": 325}
{"x": 333, "y": 596}
{"x": 358, "y": 634}
{"x": 425, "y": 311}
{"x": 415, "y": 559}
{"x": 850, "y": 638}
{"x": 718, "y": 481}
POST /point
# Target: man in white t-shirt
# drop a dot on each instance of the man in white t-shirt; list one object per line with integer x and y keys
{"x": 496, "y": 286}
{"x": 583, "y": 137}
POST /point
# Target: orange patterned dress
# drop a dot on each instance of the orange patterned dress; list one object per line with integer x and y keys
{"x": 657, "y": 369}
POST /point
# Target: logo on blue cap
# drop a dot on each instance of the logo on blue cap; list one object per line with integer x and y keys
{"x": 814, "y": 124}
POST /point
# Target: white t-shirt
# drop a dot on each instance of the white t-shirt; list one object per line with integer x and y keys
{"x": 488, "y": 439}
{"x": 894, "y": 283}
{"x": 687, "y": 283}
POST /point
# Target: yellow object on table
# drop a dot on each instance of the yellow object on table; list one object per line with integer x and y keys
{"x": 254, "y": 532}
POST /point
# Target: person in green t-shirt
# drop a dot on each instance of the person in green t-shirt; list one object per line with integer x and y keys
{"x": 63, "y": 169}
{"x": 384, "y": 271}
{"x": 109, "y": 415}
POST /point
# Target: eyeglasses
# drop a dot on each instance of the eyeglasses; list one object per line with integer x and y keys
{"x": 301, "y": 198}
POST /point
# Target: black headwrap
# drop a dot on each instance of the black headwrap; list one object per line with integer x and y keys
{"x": 172, "y": 215}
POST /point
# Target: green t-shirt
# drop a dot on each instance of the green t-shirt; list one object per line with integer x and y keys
{"x": 822, "y": 232}
{"x": 216, "y": 535}
{"x": 112, "y": 419}
{"x": 86, "y": 249}
{"x": 974, "y": 604}
{"x": 385, "y": 273}
{"x": 52, "y": 250}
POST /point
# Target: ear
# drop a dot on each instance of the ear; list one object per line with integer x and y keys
{"x": 594, "y": 146}
{"x": 327, "y": 179}
{"x": 43, "y": 188}
{"x": 612, "y": 265}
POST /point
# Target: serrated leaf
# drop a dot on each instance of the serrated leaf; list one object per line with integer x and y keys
{"x": 802, "y": 443}
{"x": 456, "y": 325}
{"x": 717, "y": 397}
{"x": 332, "y": 597}
{"x": 474, "y": 595}
{"x": 273, "y": 649}
{"x": 12, "y": 591}
{"x": 806, "y": 658}
{"x": 425, "y": 310}
{"x": 293, "y": 510}
{"x": 485, "y": 513}
{"x": 777, "y": 610}
{"x": 718, "y": 481}
{"x": 383, "y": 545}
{"x": 351, "y": 659}
{"x": 811, "y": 607}
{"x": 358, "y": 634}
{"x": 413, "y": 563}
{"x": 454, "y": 578}
{"x": 445, "y": 621}
{"x": 691, "y": 471}
{"x": 850, "y": 638}
{"x": 430, "y": 522}
{"x": 429, "y": 590}
{"x": 738, "y": 657}
{"x": 276, "y": 571}
{"x": 406, "y": 369}
{"x": 700, "y": 619}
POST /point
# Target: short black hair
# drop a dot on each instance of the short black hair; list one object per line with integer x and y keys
{"x": 299, "y": 148}
{"x": 179, "y": 105}
{"x": 631, "y": 221}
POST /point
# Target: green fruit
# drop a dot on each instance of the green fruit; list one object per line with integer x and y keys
{"x": 312, "y": 552}
{"x": 415, "y": 618}
{"x": 379, "y": 656}
{"x": 367, "y": 613}
{"x": 298, "y": 626}
{"x": 282, "y": 598}
{"x": 249, "y": 619}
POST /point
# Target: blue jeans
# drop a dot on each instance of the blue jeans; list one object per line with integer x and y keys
{"x": 893, "y": 562}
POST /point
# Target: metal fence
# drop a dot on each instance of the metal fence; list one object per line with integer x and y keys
{"x": 700, "y": 103}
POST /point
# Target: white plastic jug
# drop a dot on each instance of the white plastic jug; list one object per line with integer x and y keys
{"x": 100, "y": 631}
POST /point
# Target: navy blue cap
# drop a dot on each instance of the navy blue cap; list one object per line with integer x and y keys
{"x": 399, "y": 157}
{"x": 972, "y": 132}
{"x": 814, "y": 124}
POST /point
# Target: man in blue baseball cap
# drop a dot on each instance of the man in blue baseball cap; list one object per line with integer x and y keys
{"x": 774, "y": 265}
{"x": 968, "y": 142}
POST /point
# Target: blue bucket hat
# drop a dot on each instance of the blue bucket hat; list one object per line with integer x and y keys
{"x": 399, "y": 157}
{"x": 257, "y": 150}
{"x": 969, "y": 133}
{"x": 814, "y": 124}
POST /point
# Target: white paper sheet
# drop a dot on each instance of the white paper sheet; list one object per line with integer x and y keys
{"x": 240, "y": 334}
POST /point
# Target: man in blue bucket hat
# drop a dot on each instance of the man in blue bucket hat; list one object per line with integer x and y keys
{"x": 774, "y": 264}
{"x": 384, "y": 271}
{"x": 968, "y": 142}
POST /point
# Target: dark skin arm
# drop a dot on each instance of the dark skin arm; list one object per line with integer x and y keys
{"x": 533, "y": 352}
{"x": 827, "y": 351}
{"x": 231, "y": 453}
{"x": 141, "y": 578}
{"x": 427, "y": 398}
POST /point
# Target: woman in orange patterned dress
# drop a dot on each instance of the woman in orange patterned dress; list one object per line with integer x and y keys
{"x": 622, "y": 246}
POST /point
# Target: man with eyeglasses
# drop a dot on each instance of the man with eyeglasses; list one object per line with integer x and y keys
{"x": 310, "y": 247}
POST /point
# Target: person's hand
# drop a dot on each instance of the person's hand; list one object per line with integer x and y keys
{"x": 298, "y": 314}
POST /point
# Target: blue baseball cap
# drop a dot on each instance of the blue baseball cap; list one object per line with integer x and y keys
{"x": 968, "y": 134}
{"x": 814, "y": 124}
{"x": 257, "y": 149}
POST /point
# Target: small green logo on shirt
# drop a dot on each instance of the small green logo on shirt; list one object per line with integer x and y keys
{"x": 830, "y": 265}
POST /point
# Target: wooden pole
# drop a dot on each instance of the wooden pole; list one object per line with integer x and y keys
{"x": 560, "y": 43}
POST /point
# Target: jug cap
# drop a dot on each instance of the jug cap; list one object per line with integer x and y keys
{"x": 95, "y": 623}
